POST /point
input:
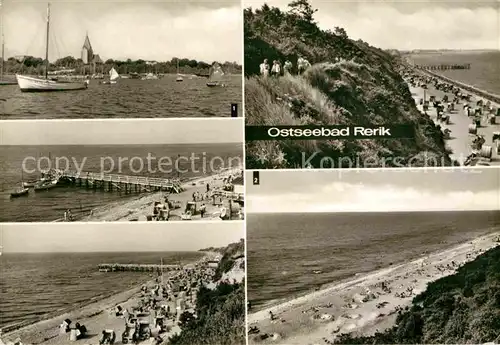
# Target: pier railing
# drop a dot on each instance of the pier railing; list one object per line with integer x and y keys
{"x": 116, "y": 178}
{"x": 137, "y": 267}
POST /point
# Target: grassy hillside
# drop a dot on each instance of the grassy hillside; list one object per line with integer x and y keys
{"x": 458, "y": 309}
{"x": 220, "y": 312}
{"x": 349, "y": 83}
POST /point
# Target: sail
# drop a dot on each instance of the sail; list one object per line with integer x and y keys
{"x": 113, "y": 74}
{"x": 216, "y": 72}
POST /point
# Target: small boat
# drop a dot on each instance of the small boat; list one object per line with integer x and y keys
{"x": 134, "y": 75}
{"x": 32, "y": 84}
{"x": 179, "y": 77}
{"x": 214, "y": 76}
{"x": 19, "y": 192}
{"x": 150, "y": 76}
{"x": 29, "y": 184}
{"x": 46, "y": 185}
{"x": 113, "y": 77}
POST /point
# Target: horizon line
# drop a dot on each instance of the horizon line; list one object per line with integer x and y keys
{"x": 372, "y": 211}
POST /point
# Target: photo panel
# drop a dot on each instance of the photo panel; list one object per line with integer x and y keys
{"x": 129, "y": 170}
{"x": 369, "y": 256}
{"x": 354, "y": 84}
{"x": 123, "y": 283}
{"x": 120, "y": 59}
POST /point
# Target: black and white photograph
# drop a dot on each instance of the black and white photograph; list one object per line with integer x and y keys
{"x": 120, "y": 59}
{"x": 175, "y": 284}
{"x": 371, "y": 256}
{"x": 129, "y": 170}
{"x": 431, "y": 66}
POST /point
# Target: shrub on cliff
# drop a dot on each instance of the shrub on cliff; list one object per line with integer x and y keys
{"x": 349, "y": 83}
{"x": 458, "y": 309}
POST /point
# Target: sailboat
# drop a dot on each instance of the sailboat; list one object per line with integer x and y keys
{"x": 179, "y": 77}
{"x": 2, "y": 81}
{"x": 214, "y": 75}
{"x": 31, "y": 84}
{"x": 113, "y": 77}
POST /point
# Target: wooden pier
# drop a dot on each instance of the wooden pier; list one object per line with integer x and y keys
{"x": 121, "y": 183}
{"x": 138, "y": 268}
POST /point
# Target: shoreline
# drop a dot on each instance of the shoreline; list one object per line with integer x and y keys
{"x": 297, "y": 320}
{"x": 135, "y": 207}
{"x": 46, "y": 329}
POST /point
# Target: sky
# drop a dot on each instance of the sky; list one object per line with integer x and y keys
{"x": 380, "y": 190}
{"x": 123, "y": 132}
{"x": 158, "y": 30}
{"x": 121, "y": 237}
{"x": 408, "y": 25}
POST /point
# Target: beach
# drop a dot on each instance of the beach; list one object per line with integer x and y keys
{"x": 460, "y": 139}
{"x": 139, "y": 208}
{"x": 100, "y": 315}
{"x": 360, "y": 305}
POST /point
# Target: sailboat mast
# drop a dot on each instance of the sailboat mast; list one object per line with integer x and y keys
{"x": 3, "y": 40}
{"x": 47, "y": 44}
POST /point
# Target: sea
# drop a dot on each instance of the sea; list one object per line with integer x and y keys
{"x": 284, "y": 250}
{"x": 50, "y": 205}
{"x": 129, "y": 98}
{"x": 39, "y": 286}
{"x": 484, "y": 67}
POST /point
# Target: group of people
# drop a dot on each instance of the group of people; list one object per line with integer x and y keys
{"x": 68, "y": 216}
{"x": 276, "y": 69}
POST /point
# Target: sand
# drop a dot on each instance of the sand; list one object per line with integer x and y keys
{"x": 361, "y": 305}
{"x": 139, "y": 208}
{"x": 96, "y": 317}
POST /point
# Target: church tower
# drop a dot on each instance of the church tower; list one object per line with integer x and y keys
{"x": 87, "y": 52}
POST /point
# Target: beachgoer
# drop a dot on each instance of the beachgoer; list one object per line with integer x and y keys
{"x": 287, "y": 68}
{"x": 264, "y": 68}
{"x": 302, "y": 64}
{"x": 208, "y": 188}
{"x": 202, "y": 210}
{"x": 65, "y": 216}
{"x": 274, "y": 68}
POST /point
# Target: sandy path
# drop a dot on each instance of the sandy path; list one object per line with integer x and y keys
{"x": 361, "y": 305}
{"x": 141, "y": 207}
{"x": 460, "y": 141}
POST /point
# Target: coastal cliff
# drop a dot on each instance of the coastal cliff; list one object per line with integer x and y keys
{"x": 220, "y": 312}
{"x": 349, "y": 83}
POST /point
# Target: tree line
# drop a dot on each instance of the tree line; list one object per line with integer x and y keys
{"x": 36, "y": 65}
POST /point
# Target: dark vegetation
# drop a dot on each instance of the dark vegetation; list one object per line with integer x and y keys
{"x": 220, "y": 312}
{"x": 349, "y": 83}
{"x": 460, "y": 309}
{"x": 34, "y": 65}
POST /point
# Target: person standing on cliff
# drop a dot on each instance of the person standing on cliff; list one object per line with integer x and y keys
{"x": 287, "y": 68}
{"x": 264, "y": 68}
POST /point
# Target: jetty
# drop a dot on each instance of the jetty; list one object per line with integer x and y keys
{"x": 138, "y": 268}
{"x": 121, "y": 183}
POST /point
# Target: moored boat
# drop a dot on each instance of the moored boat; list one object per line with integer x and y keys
{"x": 179, "y": 76}
{"x": 32, "y": 84}
{"x": 214, "y": 76}
{"x": 19, "y": 192}
{"x": 29, "y": 184}
{"x": 46, "y": 185}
